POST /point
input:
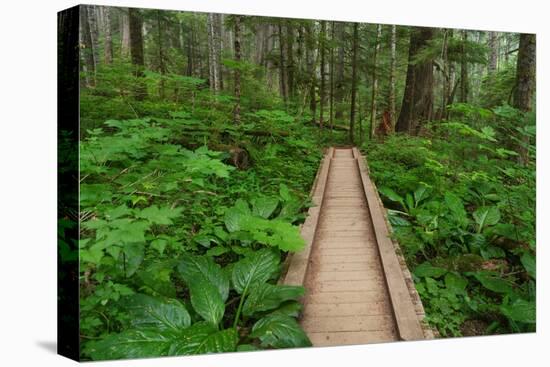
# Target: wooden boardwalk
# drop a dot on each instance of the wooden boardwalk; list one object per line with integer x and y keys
{"x": 356, "y": 291}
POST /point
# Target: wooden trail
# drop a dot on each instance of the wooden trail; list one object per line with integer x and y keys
{"x": 358, "y": 289}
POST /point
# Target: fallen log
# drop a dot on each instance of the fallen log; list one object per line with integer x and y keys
{"x": 230, "y": 131}
{"x": 334, "y": 127}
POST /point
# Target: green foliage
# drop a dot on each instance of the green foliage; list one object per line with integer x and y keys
{"x": 178, "y": 248}
{"x": 163, "y": 326}
{"x": 280, "y": 331}
{"x": 462, "y": 208}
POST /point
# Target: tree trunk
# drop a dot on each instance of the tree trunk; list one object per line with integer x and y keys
{"x": 124, "y": 32}
{"x": 162, "y": 65}
{"x": 331, "y": 102}
{"x": 108, "y": 35}
{"x": 237, "y": 71}
{"x": 464, "y": 82}
{"x": 493, "y": 49}
{"x": 213, "y": 52}
{"x": 393, "y": 63}
{"x": 353, "y": 82}
{"x": 322, "y": 93}
{"x": 339, "y": 83}
{"x": 374, "y": 82}
{"x": 93, "y": 22}
{"x": 290, "y": 58}
{"x": 310, "y": 50}
{"x": 218, "y": 29}
{"x": 189, "y": 50}
{"x": 87, "y": 46}
{"x": 282, "y": 67}
{"x": 418, "y": 96}
{"x": 525, "y": 83}
{"x": 136, "y": 51}
{"x": 446, "y": 75}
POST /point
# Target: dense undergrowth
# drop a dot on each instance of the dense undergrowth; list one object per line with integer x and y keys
{"x": 462, "y": 206}
{"x": 186, "y": 219}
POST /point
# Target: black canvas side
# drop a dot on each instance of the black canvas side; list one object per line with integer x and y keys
{"x": 67, "y": 185}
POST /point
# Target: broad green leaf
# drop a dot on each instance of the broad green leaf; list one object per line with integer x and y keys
{"x": 119, "y": 211}
{"x": 265, "y": 297}
{"x": 275, "y": 232}
{"x": 123, "y": 230}
{"x": 203, "y": 338}
{"x": 206, "y": 300}
{"x": 255, "y": 269}
{"x": 420, "y": 194}
{"x": 92, "y": 255}
{"x": 455, "y": 283}
{"x": 235, "y": 215}
{"x": 432, "y": 286}
{"x": 455, "y": 205}
{"x": 486, "y": 217}
{"x": 530, "y": 265}
{"x": 392, "y": 195}
{"x": 493, "y": 283}
{"x": 409, "y": 201}
{"x": 246, "y": 348}
{"x": 217, "y": 251}
{"x": 280, "y": 331}
{"x": 520, "y": 311}
{"x": 132, "y": 344}
{"x": 156, "y": 276}
{"x": 264, "y": 206}
{"x": 205, "y": 240}
{"x": 193, "y": 267}
{"x": 133, "y": 257}
{"x": 159, "y": 244}
{"x": 151, "y": 312}
{"x": 493, "y": 252}
{"x": 284, "y": 193}
{"x": 426, "y": 269}
{"x": 163, "y": 215}
{"x": 290, "y": 308}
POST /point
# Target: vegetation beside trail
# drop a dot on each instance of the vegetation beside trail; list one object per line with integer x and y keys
{"x": 463, "y": 210}
{"x": 201, "y": 137}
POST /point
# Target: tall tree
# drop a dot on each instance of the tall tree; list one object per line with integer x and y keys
{"x": 331, "y": 72}
{"x": 339, "y": 82}
{"x": 322, "y": 90}
{"x": 93, "y": 22}
{"x": 446, "y": 74}
{"x": 161, "y": 64}
{"x": 213, "y": 52}
{"x": 310, "y": 60}
{"x": 417, "y": 102}
{"x": 218, "y": 40}
{"x": 189, "y": 50}
{"x": 124, "y": 32}
{"x": 290, "y": 59}
{"x": 282, "y": 64}
{"x": 136, "y": 50}
{"x": 374, "y": 81}
{"x": 493, "y": 52}
{"x": 525, "y": 82}
{"x": 393, "y": 63}
{"x": 87, "y": 46}
{"x": 237, "y": 71}
{"x": 353, "y": 82}
{"x": 108, "y": 48}
{"x": 464, "y": 80}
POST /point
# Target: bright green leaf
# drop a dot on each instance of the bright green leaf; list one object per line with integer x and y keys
{"x": 280, "y": 331}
